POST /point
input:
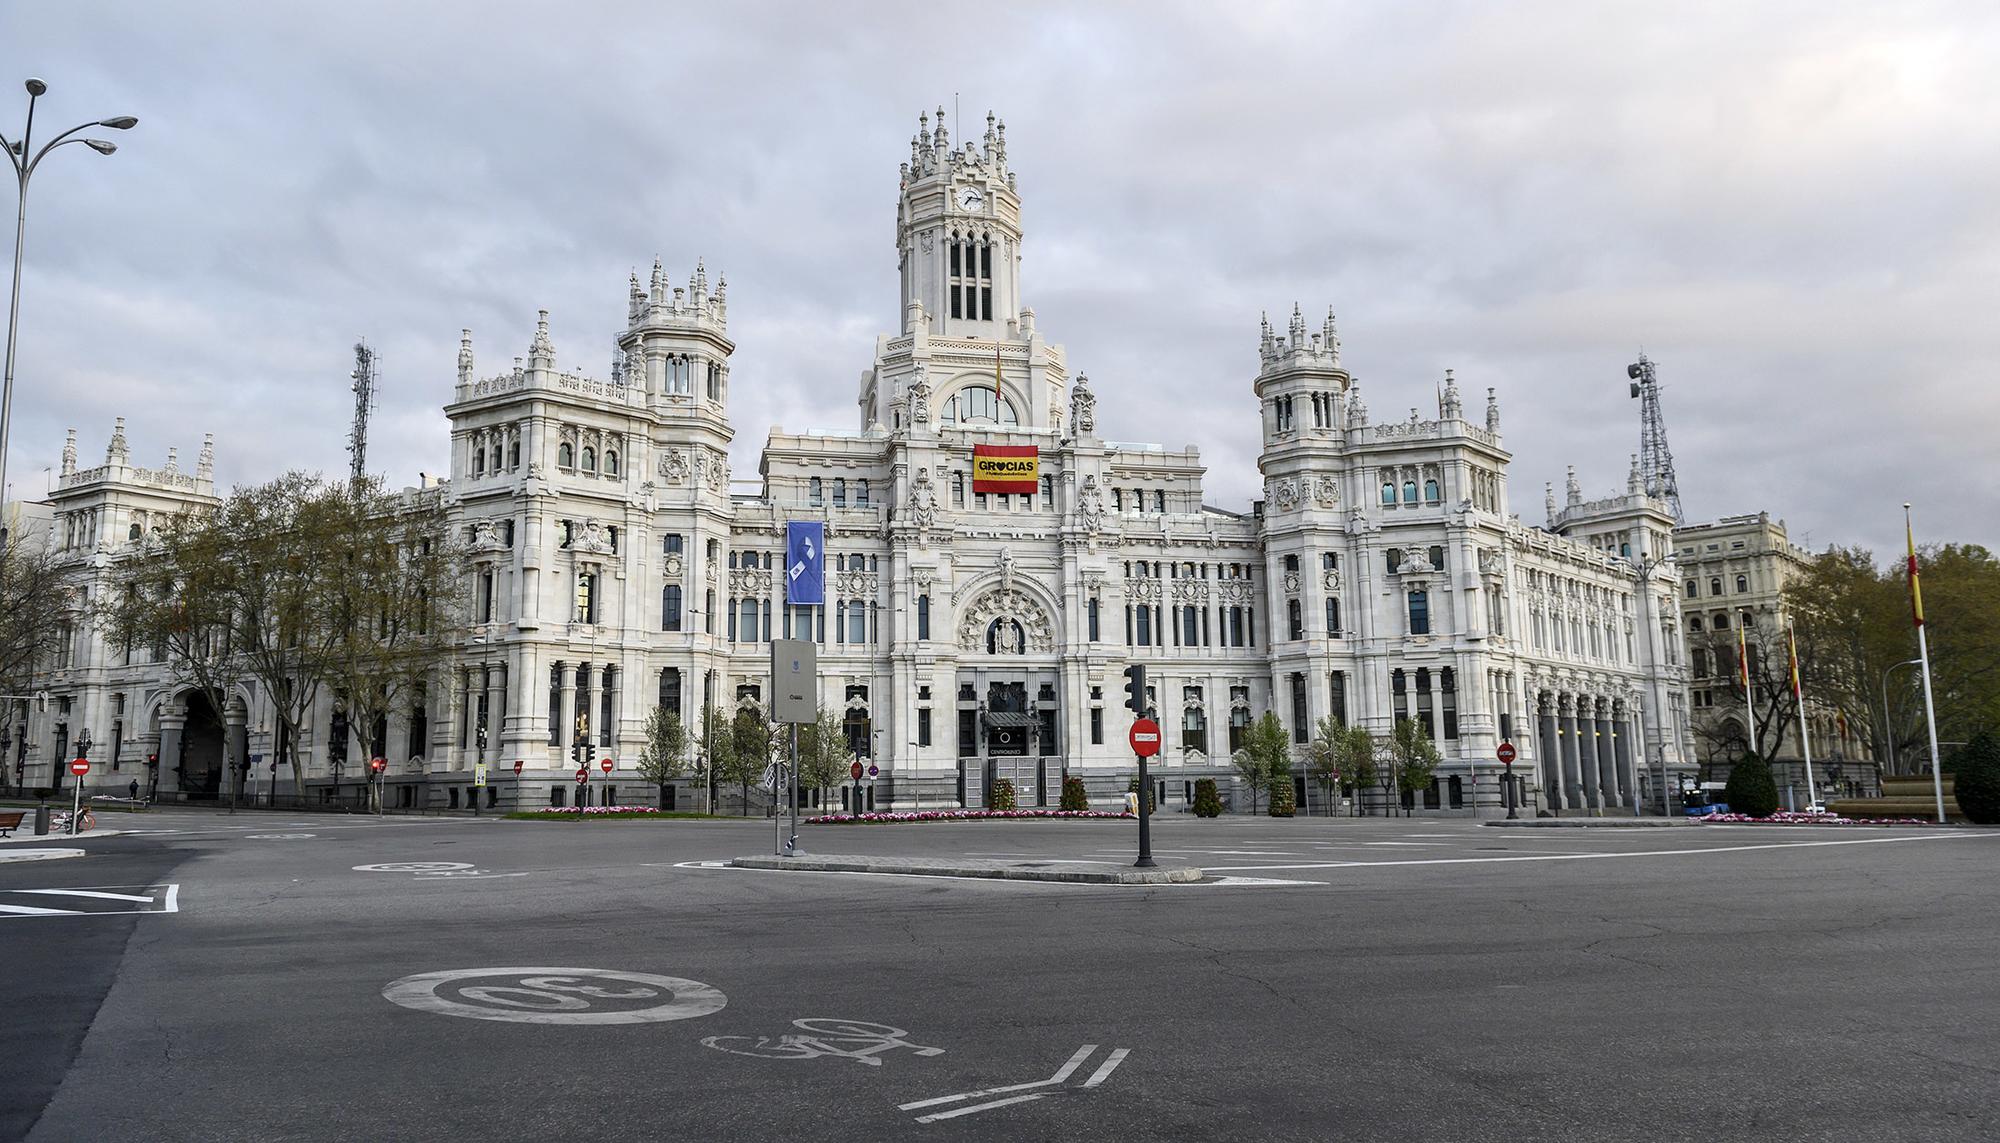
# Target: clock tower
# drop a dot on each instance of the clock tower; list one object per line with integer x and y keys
{"x": 958, "y": 233}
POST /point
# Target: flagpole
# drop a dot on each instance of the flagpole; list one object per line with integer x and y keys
{"x": 1924, "y": 656}
{"x": 1805, "y": 732}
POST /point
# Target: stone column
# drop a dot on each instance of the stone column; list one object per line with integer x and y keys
{"x": 1586, "y": 748}
{"x": 566, "y": 716}
{"x": 1627, "y": 759}
{"x": 236, "y": 744}
{"x": 1566, "y": 737}
{"x": 495, "y": 704}
{"x": 1607, "y": 758}
{"x": 1551, "y": 750}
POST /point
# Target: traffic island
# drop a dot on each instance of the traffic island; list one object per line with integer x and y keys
{"x": 1587, "y": 823}
{"x": 1069, "y": 872}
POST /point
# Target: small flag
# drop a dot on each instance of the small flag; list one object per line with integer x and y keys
{"x": 996, "y": 373}
{"x": 1916, "y": 593}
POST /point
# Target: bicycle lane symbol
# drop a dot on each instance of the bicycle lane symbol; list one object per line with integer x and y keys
{"x": 544, "y": 995}
{"x": 856, "y": 1040}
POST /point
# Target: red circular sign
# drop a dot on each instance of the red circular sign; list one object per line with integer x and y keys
{"x": 606, "y": 764}
{"x": 854, "y": 771}
{"x": 1505, "y": 754}
{"x": 377, "y": 764}
{"x": 518, "y": 764}
{"x": 1145, "y": 737}
{"x": 582, "y": 775}
{"x": 80, "y": 767}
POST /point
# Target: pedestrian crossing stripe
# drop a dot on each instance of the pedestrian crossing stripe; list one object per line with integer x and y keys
{"x": 91, "y": 901}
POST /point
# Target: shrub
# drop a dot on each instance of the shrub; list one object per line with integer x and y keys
{"x": 1073, "y": 795}
{"x": 1976, "y": 779}
{"x": 1750, "y": 789}
{"x": 1207, "y": 802}
{"x": 1002, "y": 796}
{"x": 1284, "y": 799}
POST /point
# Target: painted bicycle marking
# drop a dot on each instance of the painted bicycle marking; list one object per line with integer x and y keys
{"x": 856, "y": 1040}
{"x": 555, "y": 995}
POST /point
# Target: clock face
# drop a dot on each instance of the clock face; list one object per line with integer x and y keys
{"x": 969, "y": 198}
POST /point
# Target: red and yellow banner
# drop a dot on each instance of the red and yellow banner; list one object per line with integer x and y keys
{"x": 1006, "y": 469}
{"x": 1792, "y": 647}
{"x": 1916, "y": 593}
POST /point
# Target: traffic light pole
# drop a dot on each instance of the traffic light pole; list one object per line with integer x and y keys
{"x": 1145, "y": 818}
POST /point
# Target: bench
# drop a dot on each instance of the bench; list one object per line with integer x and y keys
{"x": 9, "y": 822}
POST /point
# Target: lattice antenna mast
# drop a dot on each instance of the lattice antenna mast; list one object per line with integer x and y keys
{"x": 1656, "y": 460}
{"x": 364, "y": 403}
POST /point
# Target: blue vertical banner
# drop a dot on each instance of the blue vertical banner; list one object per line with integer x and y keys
{"x": 805, "y": 562}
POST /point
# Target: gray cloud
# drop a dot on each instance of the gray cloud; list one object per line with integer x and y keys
{"x": 1792, "y": 207}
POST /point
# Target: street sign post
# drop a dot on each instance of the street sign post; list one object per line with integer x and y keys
{"x": 582, "y": 789}
{"x": 1506, "y": 756}
{"x": 1145, "y": 740}
{"x": 795, "y": 688}
{"x": 79, "y": 767}
{"x": 854, "y": 772}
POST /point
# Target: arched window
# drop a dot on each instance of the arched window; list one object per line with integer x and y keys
{"x": 1715, "y": 585}
{"x": 815, "y": 492}
{"x": 979, "y": 403}
{"x": 1409, "y": 492}
{"x": 564, "y": 457}
{"x": 611, "y": 462}
{"x": 589, "y": 459}
{"x": 514, "y": 454}
{"x": 1693, "y": 589}
{"x": 1388, "y": 494}
{"x": 1430, "y": 491}
{"x": 1742, "y": 584}
{"x": 1694, "y": 623}
{"x": 132, "y": 533}
{"x": 479, "y": 462}
{"x": 714, "y": 381}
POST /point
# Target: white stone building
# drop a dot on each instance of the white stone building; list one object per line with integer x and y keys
{"x": 968, "y": 637}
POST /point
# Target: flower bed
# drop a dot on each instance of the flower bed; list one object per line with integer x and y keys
{"x": 1786, "y": 817}
{"x": 955, "y": 816}
{"x": 560, "y": 813}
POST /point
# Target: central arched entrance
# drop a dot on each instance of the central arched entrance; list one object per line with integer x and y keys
{"x": 199, "y": 767}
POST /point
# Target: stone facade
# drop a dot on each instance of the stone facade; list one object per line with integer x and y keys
{"x": 966, "y": 637}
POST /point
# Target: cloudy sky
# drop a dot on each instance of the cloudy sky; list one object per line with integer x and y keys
{"x": 1793, "y": 207}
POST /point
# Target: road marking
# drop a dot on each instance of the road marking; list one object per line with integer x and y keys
{"x": 1253, "y": 882}
{"x": 414, "y": 867}
{"x": 135, "y": 898}
{"x": 555, "y": 995}
{"x": 855, "y": 1040}
{"x": 1062, "y": 1075}
{"x": 11, "y": 855}
{"x": 1594, "y": 856}
{"x": 88, "y": 893}
{"x": 277, "y": 836}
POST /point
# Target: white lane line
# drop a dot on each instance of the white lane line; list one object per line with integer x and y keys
{"x": 1590, "y": 856}
{"x": 88, "y": 893}
{"x": 1110, "y": 1065}
{"x": 31, "y": 911}
{"x": 1074, "y": 1063}
{"x": 958, "y": 1111}
{"x": 173, "y": 901}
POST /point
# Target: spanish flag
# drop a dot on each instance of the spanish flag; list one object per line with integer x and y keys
{"x": 1916, "y": 594}
{"x": 1742, "y": 654}
{"x": 1792, "y": 646}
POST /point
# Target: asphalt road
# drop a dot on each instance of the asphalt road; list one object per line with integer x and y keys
{"x": 1373, "y": 979}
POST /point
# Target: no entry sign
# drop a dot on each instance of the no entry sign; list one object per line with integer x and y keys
{"x": 606, "y": 764}
{"x": 518, "y": 766}
{"x": 582, "y": 775}
{"x": 854, "y": 770}
{"x": 1145, "y": 737}
{"x": 80, "y": 767}
{"x": 1505, "y": 754}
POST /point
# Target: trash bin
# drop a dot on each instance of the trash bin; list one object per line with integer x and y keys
{"x": 42, "y": 819}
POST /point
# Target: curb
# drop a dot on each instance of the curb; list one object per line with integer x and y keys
{"x": 1065, "y": 872}
{"x": 7, "y": 856}
{"x": 46, "y": 838}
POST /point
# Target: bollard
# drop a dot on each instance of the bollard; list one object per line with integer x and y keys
{"x": 42, "y": 820}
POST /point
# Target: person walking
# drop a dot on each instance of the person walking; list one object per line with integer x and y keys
{"x": 135, "y": 789}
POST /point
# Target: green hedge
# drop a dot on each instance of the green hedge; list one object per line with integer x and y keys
{"x": 1207, "y": 802}
{"x": 1002, "y": 795}
{"x": 1074, "y": 796}
{"x": 1750, "y": 789}
{"x": 1976, "y": 779}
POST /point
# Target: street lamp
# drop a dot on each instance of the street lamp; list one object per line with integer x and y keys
{"x": 1888, "y": 734}
{"x": 25, "y": 161}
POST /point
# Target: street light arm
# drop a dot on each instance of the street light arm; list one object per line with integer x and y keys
{"x": 12, "y": 157}
{"x": 51, "y": 145}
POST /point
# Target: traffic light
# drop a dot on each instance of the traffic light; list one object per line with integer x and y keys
{"x": 152, "y": 761}
{"x": 1135, "y": 690}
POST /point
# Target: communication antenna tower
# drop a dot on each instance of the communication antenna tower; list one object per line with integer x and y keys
{"x": 1656, "y": 460}
{"x": 364, "y": 404}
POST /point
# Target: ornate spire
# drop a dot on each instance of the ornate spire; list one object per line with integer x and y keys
{"x": 1265, "y": 346}
{"x": 1549, "y": 501}
{"x": 69, "y": 453}
{"x": 1454, "y": 409}
{"x": 1632, "y": 477}
{"x": 1492, "y": 412}
{"x": 465, "y": 357}
{"x": 700, "y": 279}
{"x": 941, "y": 138}
{"x": 117, "y": 453}
{"x": 541, "y": 349}
{"x": 204, "y": 462}
{"x": 1572, "y": 489}
{"x": 1298, "y": 327}
{"x": 1082, "y": 406}
{"x": 173, "y": 460}
{"x": 1330, "y": 336}
{"x": 1000, "y": 145}
{"x": 1357, "y": 409}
